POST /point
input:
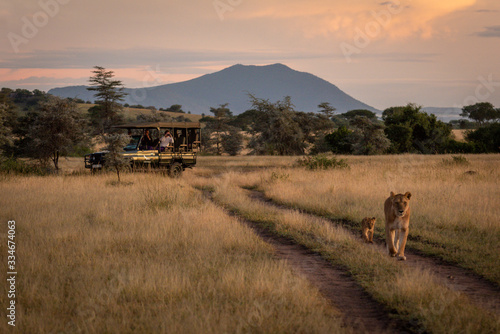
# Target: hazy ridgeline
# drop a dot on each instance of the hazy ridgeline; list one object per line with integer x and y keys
{"x": 154, "y": 255}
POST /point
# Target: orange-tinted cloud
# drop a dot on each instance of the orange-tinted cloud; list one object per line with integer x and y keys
{"x": 395, "y": 18}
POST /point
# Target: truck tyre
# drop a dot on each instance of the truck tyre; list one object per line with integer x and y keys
{"x": 175, "y": 170}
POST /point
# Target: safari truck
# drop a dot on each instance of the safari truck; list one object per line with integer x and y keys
{"x": 150, "y": 156}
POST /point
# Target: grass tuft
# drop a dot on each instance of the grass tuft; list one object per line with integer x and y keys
{"x": 321, "y": 161}
{"x": 456, "y": 160}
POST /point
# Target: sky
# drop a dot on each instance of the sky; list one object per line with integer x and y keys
{"x": 442, "y": 53}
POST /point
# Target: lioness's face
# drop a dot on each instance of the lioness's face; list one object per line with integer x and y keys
{"x": 400, "y": 204}
{"x": 371, "y": 223}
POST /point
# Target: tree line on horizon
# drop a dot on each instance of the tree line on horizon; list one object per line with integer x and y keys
{"x": 49, "y": 127}
{"x": 276, "y": 128}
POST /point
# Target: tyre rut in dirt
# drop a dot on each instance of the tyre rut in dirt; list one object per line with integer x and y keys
{"x": 480, "y": 291}
{"x": 360, "y": 311}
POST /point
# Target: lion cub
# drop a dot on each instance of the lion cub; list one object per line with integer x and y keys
{"x": 367, "y": 229}
{"x": 397, "y": 223}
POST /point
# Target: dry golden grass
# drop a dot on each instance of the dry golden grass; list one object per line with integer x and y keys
{"x": 455, "y": 207}
{"x": 206, "y": 165}
{"x": 414, "y": 293}
{"x": 150, "y": 255}
{"x": 459, "y": 134}
{"x": 210, "y": 165}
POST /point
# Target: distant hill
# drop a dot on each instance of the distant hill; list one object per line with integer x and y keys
{"x": 232, "y": 85}
{"x": 444, "y": 114}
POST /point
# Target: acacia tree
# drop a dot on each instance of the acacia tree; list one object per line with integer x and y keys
{"x": 481, "y": 112}
{"x": 109, "y": 94}
{"x": 115, "y": 144}
{"x": 5, "y": 130}
{"x": 232, "y": 140}
{"x": 8, "y": 119}
{"x": 315, "y": 127}
{"x": 368, "y": 137}
{"x": 57, "y": 127}
{"x": 276, "y": 131}
{"x": 339, "y": 140}
{"x": 411, "y": 130}
{"x": 177, "y": 108}
{"x": 327, "y": 109}
{"x": 351, "y": 114}
{"x": 217, "y": 127}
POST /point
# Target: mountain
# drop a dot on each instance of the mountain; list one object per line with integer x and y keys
{"x": 232, "y": 85}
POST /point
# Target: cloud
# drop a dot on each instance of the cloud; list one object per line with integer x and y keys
{"x": 491, "y": 31}
{"x": 177, "y": 60}
{"x": 486, "y": 11}
{"x": 395, "y": 19}
{"x": 399, "y": 57}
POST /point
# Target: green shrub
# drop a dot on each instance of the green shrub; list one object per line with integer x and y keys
{"x": 79, "y": 151}
{"x": 19, "y": 167}
{"x": 321, "y": 161}
{"x": 486, "y": 139}
{"x": 455, "y": 146}
{"x": 277, "y": 176}
{"x": 339, "y": 141}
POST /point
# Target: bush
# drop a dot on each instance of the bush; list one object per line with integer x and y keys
{"x": 458, "y": 160}
{"x": 454, "y": 146}
{"x": 115, "y": 160}
{"x": 232, "y": 141}
{"x": 79, "y": 151}
{"x": 411, "y": 130}
{"x": 321, "y": 161}
{"x": 486, "y": 139}
{"x": 339, "y": 141}
{"x": 19, "y": 167}
{"x": 277, "y": 176}
{"x": 321, "y": 145}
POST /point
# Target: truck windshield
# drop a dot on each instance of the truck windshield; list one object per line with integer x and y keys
{"x": 134, "y": 141}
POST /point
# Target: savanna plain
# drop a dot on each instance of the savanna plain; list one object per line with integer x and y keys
{"x": 153, "y": 254}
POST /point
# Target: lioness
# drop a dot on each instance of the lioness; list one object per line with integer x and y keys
{"x": 397, "y": 223}
{"x": 367, "y": 228}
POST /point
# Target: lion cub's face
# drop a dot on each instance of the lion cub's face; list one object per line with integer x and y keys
{"x": 369, "y": 223}
{"x": 400, "y": 203}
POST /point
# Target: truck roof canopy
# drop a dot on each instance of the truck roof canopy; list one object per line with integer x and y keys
{"x": 145, "y": 125}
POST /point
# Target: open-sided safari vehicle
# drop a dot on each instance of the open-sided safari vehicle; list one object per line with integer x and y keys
{"x": 148, "y": 154}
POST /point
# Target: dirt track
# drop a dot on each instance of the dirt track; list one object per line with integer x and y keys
{"x": 359, "y": 310}
{"x": 480, "y": 291}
